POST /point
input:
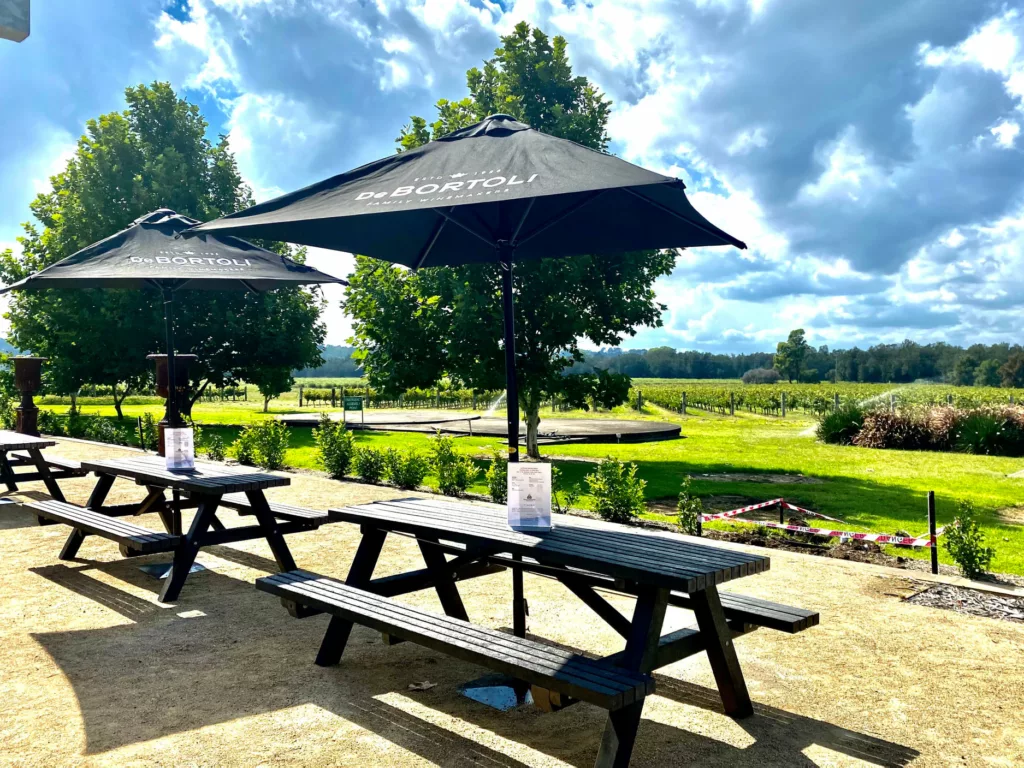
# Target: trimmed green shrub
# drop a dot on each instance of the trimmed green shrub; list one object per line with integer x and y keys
{"x": 368, "y": 464}
{"x": 214, "y": 448}
{"x": 455, "y": 471}
{"x": 563, "y": 495}
{"x": 966, "y": 543}
{"x": 262, "y": 444}
{"x": 335, "y": 446}
{"x": 690, "y": 509}
{"x": 49, "y": 423}
{"x": 903, "y": 430}
{"x": 497, "y": 478}
{"x": 151, "y": 433}
{"x": 841, "y": 426}
{"x": 618, "y": 493}
{"x": 405, "y": 469}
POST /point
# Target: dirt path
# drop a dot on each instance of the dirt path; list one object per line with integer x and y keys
{"x": 93, "y": 671}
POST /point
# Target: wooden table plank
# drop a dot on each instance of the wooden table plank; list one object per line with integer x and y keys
{"x": 637, "y": 556}
{"x": 15, "y": 441}
{"x": 206, "y": 479}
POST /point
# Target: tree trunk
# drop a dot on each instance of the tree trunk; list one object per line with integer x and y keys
{"x": 74, "y": 401}
{"x": 266, "y": 403}
{"x": 531, "y": 412}
{"x": 192, "y": 400}
{"x": 120, "y": 399}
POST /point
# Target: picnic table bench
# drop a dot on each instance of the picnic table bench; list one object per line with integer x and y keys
{"x": 585, "y": 555}
{"x": 206, "y": 489}
{"x": 48, "y": 469}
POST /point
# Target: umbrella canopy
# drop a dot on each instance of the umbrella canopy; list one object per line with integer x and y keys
{"x": 149, "y": 254}
{"x": 497, "y": 191}
{"x": 450, "y": 201}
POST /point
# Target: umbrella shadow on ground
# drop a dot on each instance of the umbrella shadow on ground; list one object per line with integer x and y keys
{"x": 234, "y": 653}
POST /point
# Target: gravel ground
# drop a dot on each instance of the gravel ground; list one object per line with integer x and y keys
{"x": 95, "y": 672}
{"x": 971, "y": 601}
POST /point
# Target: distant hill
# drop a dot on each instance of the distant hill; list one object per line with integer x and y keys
{"x": 338, "y": 363}
{"x": 6, "y": 348}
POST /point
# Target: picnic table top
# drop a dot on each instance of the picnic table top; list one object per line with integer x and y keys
{"x": 15, "y": 441}
{"x": 646, "y": 557}
{"x": 207, "y": 479}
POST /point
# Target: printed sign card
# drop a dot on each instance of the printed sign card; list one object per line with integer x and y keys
{"x": 529, "y": 497}
{"x": 179, "y": 448}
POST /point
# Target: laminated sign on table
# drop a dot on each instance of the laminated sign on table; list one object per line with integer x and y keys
{"x": 179, "y": 448}
{"x": 529, "y": 497}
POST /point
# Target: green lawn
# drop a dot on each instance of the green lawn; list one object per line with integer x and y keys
{"x": 873, "y": 490}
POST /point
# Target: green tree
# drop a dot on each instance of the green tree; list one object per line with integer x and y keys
{"x": 790, "y": 354}
{"x": 412, "y": 329}
{"x": 1011, "y": 374}
{"x": 987, "y": 374}
{"x": 153, "y": 154}
{"x": 965, "y": 370}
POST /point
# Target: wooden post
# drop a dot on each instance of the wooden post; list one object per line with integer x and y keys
{"x": 835, "y": 401}
{"x": 300, "y": 395}
{"x": 782, "y": 512}
{"x": 949, "y": 399}
{"x": 783, "y": 405}
{"x": 474, "y": 399}
{"x": 931, "y": 531}
{"x": 892, "y": 403}
{"x": 684, "y": 403}
{"x": 732, "y": 403}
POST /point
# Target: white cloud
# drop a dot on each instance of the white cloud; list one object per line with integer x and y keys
{"x": 1006, "y": 132}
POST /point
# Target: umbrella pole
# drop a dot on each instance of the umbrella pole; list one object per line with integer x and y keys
{"x": 173, "y": 420}
{"x": 511, "y": 387}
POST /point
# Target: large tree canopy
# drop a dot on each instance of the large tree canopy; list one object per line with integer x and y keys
{"x": 413, "y": 328}
{"x": 154, "y": 154}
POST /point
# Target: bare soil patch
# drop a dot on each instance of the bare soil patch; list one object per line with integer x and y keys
{"x": 1012, "y": 515}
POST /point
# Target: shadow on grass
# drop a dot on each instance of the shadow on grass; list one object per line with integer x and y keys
{"x": 240, "y": 655}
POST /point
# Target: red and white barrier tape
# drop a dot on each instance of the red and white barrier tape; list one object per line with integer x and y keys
{"x": 883, "y": 538}
{"x": 734, "y": 512}
{"x": 795, "y": 508}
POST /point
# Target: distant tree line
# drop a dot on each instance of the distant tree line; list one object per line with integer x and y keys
{"x": 980, "y": 364}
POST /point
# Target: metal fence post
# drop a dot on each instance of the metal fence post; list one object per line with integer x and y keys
{"x": 931, "y": 531}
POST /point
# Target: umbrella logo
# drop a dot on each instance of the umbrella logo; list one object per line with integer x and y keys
{"x": 463, "y": 187}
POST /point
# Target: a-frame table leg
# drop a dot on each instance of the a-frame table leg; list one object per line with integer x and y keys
{"x": 185, "y": 553}
{"x": 45, "y": 473}
{"x": 641, "y": 646}
{"x": 7, "y": 473}
{"x": 359, "y": 575}
{"x": 95, "y": 502}
{"x": 444, "y": 584}
{"x": 707, "y": 607}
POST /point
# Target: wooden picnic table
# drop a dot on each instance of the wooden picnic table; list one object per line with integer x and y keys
{"x": 658, "y": 569}
{"x": 47, "y": 470}
{"x": 204, "y": 488}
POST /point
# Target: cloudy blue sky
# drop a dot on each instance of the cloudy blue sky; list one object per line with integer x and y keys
{"x": 870, "y": 152}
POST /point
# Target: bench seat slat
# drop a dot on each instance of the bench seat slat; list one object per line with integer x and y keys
{"x": 95, "y": 523}
{"x": 552, "y": 668}
{"x": 240, "y": 502}
{"x": 544, "y": 653}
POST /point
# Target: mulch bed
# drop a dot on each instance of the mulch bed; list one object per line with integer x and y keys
{"x": 971, "y": 601}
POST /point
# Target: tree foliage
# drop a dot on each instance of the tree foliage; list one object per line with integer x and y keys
{"x": 790, "y": 355}
{"x": 154, "y": 154}
{"x": 412, "y": 329}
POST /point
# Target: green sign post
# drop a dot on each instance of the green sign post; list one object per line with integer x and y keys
{"x": 352, "y": 404}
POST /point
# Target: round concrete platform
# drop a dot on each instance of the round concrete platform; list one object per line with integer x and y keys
{"x": 552, "y": 430}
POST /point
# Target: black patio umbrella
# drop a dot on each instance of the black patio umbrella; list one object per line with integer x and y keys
{"x": 148, "y": 254}
{"x": 497, "y": 191}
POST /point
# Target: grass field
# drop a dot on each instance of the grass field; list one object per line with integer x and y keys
{"x": 881, "y": 491}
